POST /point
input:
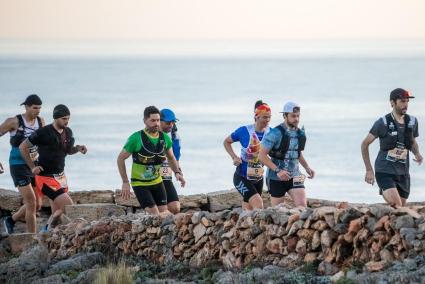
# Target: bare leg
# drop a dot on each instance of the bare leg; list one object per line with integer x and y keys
{"x": 58, "y": 208}
{"x": 20, "y": 214}
{"x": 29, "y": 208}
{"x": 255, "y": 202}
{"x": 392, "y": 197}
{"x": 277, "y": 200}
{"x": 174, "y": 207}
{"x": 163, "y": 211}
{"x": 152, "y": 210}
{"x": 403, "y": 201}
{"x": 246, "y": 206}
{"x": 298, "y": 196}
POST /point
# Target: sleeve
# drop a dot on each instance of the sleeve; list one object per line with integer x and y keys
{"x": 71, "y": 140}
{"x": 269, "y": 140}
{"x": 131, "y": 144}
{"x": 176, "y": 149}
{"x": 36, "y": 137}
{"x": 168, "y": 142}
{"x": 378, "y": 129}
{"x": 416, "y": 129}
{"x": 236, "y": 135}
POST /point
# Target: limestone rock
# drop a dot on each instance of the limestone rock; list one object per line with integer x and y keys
{"x": 10, "y": 200}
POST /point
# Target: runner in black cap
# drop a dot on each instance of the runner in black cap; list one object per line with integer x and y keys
{"x": 55, "y": 141}
{"x": 396, "y": 132}
{"x": 20, "y": 127}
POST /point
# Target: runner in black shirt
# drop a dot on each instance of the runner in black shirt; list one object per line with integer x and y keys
{"x": 55, "y": 141}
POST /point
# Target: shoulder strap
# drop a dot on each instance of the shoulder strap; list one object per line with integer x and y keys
{"x": 39, "y": 122}
{"x": 20, "y": 120}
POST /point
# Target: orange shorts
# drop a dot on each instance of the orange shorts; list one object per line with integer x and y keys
{"x": 51, "y": 186}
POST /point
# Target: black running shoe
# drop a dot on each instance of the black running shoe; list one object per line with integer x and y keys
{"x": 8, "y": 224}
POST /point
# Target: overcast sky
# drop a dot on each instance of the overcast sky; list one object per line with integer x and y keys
{"x": 213, "y": 19}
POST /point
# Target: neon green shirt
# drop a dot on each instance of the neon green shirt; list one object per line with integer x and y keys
{"x": 143, "y": 172}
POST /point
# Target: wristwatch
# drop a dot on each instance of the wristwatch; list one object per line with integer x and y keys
{"x": 277, "y": 170}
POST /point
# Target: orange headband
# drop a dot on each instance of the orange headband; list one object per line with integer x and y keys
{"x": 262, "y": 109}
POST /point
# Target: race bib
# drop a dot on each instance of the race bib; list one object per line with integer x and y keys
{"x": 33, "y": 153}
{"x": 61, "y": 179}
{"x": 254, "y": 171}
{"x": 166, "y": 171}
{"x": 298, "y": 180}
{"x": 397, "y": 155}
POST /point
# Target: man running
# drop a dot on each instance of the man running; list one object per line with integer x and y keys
{"x": 248, "y": 177}
{"x": 397, "y": 132}
{"x": 149, "y": 148}
{"x": 55, "y": 141}
{"x": 20, "y": 127}
{"x": 168, "y": 126}
{"x": 284, "y": 144}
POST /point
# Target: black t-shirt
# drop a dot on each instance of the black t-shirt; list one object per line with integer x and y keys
{"x": 52, "y": 148}
{"x": 382, "y": 165}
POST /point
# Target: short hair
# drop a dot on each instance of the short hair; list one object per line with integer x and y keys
{"x": 150, "y": 110}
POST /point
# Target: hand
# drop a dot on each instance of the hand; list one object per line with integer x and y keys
{"x": 310, "y": 172}
{"x": 82, "y": 149}
{"x": 37, "y": 170}
{"x": 125, "y": 190}
{"x": 370, "y": 177}
{"x": 283, "y": 175}
{"x": 1, "y": 169}
{"x": 237, "y": 161}
{"x": 180, "y": 178}
{"x": 418, "y": 159}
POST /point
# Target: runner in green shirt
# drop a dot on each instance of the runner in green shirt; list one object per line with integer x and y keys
{"x": 148, "y": 148}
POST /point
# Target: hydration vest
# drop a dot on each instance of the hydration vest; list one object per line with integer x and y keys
{"x": 281, "y": 151}
{"x": 20, "y": 134}
{"x": 389, "y": 141}
{"x": 150, "y": 154}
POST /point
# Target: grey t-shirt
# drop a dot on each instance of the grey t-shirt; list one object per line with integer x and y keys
{"x": 382, "y": 165}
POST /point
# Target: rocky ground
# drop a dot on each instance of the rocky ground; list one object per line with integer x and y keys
{"x": 213, "y": 241}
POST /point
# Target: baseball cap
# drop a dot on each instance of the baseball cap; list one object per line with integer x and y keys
{"x": 32, "y": 100}
{"x": 400, "y": 93}
{"x": 168, "y": 115}
{"x": 290, "y": 107}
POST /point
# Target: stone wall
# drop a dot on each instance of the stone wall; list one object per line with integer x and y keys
{"x": 213, "y": 229}
{"x": 374, "y": 235}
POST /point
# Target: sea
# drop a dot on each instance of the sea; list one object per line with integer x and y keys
{"x": 342, "y": 88}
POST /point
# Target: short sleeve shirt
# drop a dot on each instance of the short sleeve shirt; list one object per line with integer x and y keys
{"x": 382, "y": 165}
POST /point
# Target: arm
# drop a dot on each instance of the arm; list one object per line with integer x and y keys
{"x": 125, "y": 188}
{"x": 174, "y": 165}
{"x": 265, "y": 160}
{"x": 370, "y": 177}
{"x": 77, "y": 148}
{"x": 305, "y": 165}
{"x": 227, "y": 143}
{"x": 415, "y": 150}
{"x": 8, "y": 125}
{"x": 25, "y": 153}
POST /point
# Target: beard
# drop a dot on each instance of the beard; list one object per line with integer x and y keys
{"x": 152, "y": 129}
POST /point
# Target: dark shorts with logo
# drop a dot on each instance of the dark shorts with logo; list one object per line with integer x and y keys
{"x": 171, "y": 191}
{"x": 278, "y": 188}
{"x": 151, "y": 195}
{"x": 401, "y": 182}
{"x": 22, "y": 175}
{"x": 247, "y": 188}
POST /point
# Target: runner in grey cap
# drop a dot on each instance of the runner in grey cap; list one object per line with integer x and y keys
{"x": 281, "y": 151}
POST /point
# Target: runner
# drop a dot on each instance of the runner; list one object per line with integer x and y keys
{"x": 248, "y": 177}
{"x": 397, "y": 132}
{"x": 20, "y": 127}
{"x": 168, "y": 126}
{"x": 149, "y": 148}
{"x": 55, "y": 141}
{"x": 284, "y": 144}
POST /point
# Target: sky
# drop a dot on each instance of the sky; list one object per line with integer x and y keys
{"x": 211, "y": 20}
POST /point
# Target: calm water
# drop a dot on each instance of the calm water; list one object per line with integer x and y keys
{"x": 340, "y": 100}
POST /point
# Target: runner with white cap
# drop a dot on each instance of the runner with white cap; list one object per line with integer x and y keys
{"x": 281, "y": 151}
